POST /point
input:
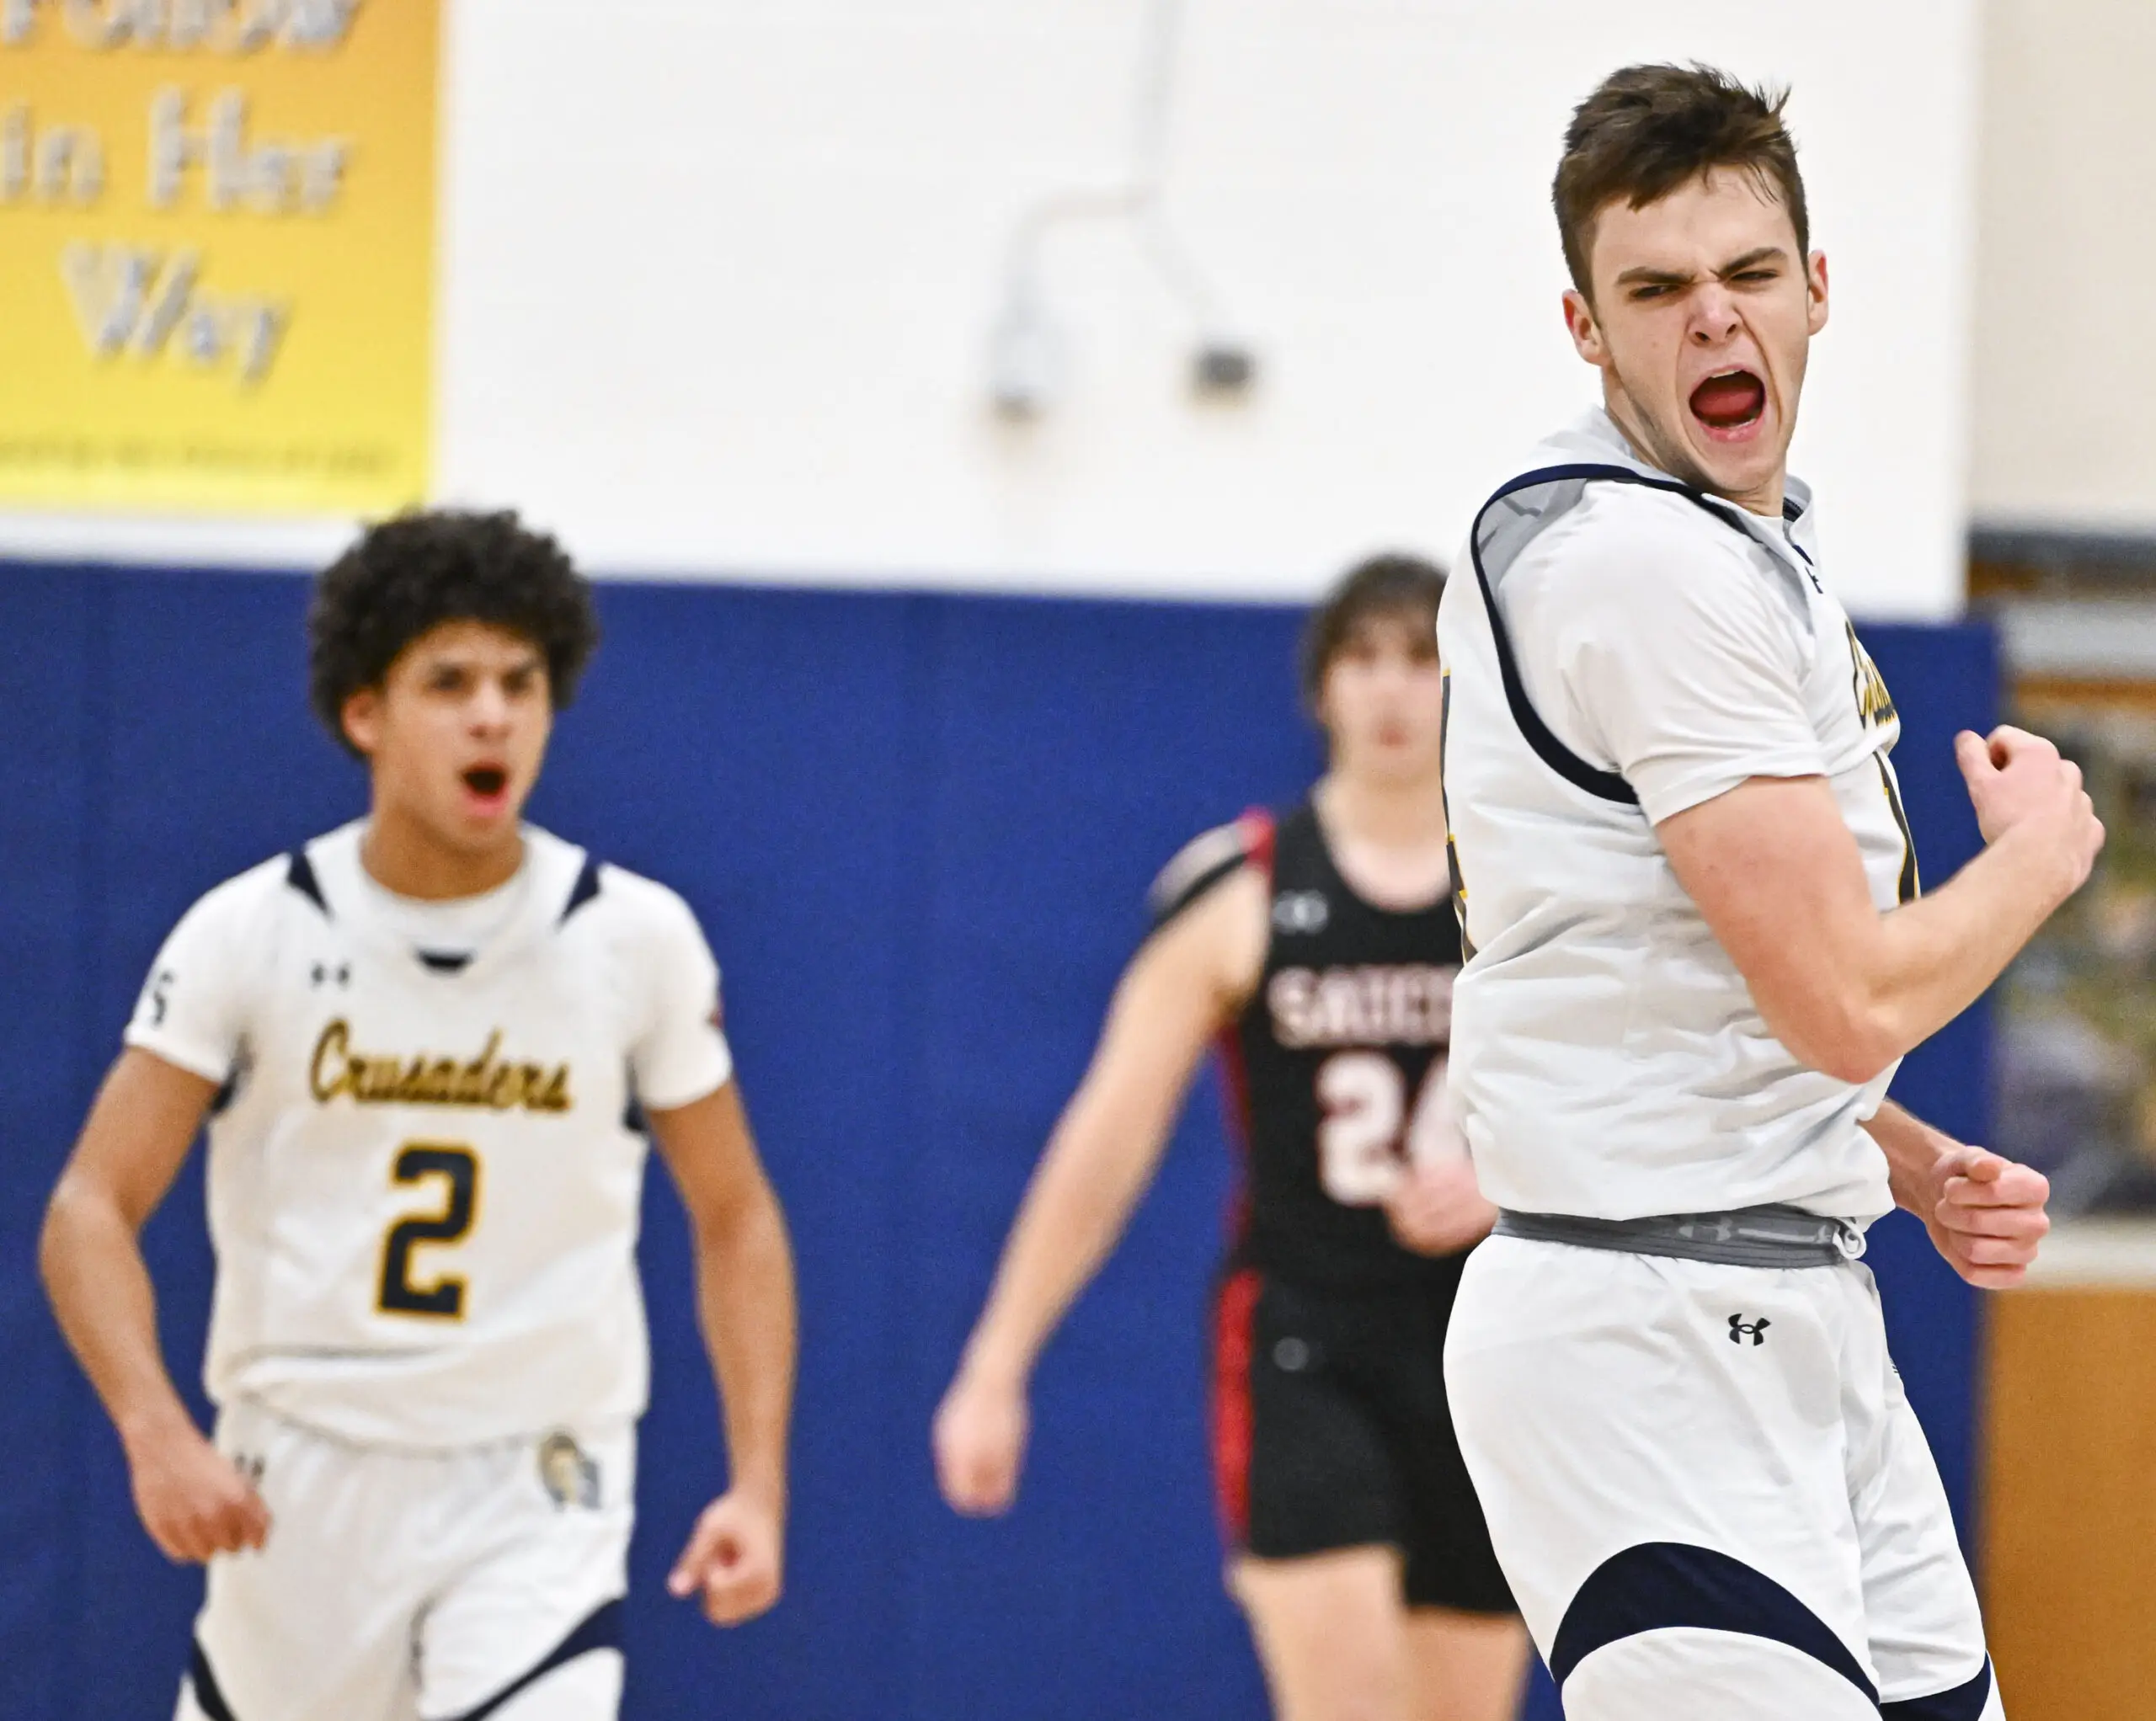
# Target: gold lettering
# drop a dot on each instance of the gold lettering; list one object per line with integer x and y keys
{"x": 554, "y": 1097}
{"x": 484, "y": 1083}
{"x": 334, "y": 1037}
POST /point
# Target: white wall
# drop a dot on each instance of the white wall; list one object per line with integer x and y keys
{"x": 2066, "y": 351}
{"x": 718, "y": 276}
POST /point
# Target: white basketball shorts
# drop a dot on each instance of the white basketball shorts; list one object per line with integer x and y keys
{"x": 401, "y": 1586}
{"x": 1708, "y": 1491}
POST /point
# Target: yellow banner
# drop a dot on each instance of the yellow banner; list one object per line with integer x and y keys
{"x": 217, "y": 253}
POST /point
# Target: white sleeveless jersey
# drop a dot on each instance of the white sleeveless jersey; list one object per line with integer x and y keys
{"x": 424, "y": 1181}
{"x": 1652, "y": 648}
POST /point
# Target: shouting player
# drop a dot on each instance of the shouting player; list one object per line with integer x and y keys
{"x": 1320, "y": 951}
{"x": 422, "y": 1042}
{"x": 1696, "y": 952}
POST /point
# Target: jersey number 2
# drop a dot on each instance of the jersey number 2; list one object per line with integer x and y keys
{"x": 458, "y": 1168}
{"x": 1366, "y": 1138}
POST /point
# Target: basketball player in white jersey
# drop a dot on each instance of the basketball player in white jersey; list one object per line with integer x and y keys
{"x": 424, "y": 1044}
{"x": 1696, "y": 951}
{"x": 1317, "y": 951}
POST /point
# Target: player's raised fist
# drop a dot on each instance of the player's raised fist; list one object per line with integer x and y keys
{"x": 192, "y": 1499}
{"x": 1987, "y": 1215}
{"x": 980, "y": 1442}
{"x": 2019, "y": 780}
{"x": 734, "y": 1559}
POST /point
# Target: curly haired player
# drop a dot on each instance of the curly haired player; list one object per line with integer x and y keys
{"x": 425, "y": 1045}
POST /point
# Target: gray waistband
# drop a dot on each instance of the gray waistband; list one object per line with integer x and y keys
{"x": 1750, "y": 1237}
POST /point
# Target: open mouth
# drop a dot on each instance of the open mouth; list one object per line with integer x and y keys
{"x": 486, "y": 781}
{"x": 1730, "y": 400}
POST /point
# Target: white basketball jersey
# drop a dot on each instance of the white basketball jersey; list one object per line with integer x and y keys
{"x": 424, "y": 1181}
{"x": 1652, "y": 648}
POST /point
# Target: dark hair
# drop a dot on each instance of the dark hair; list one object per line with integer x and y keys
{"x": 1649, "y": 130}
{"x": 408, "y": 574}
{"x": 1380, "y": 585}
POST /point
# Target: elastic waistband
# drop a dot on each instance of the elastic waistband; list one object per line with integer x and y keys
{"x": 1748, "y": 1236}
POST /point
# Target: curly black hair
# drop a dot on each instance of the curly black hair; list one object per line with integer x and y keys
{"x": 408, "y": 574}
{"x": 1380, "y": 585}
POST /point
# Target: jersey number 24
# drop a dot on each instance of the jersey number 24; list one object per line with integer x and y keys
{"x": 1366, "y": 1138}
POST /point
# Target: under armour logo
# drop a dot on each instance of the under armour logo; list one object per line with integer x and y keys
{"x": 1301, "y": 911}
{"x": 1740, "y": 1329}
{"x": 321, "y": 974}
{"x": 1709, "y": 1230}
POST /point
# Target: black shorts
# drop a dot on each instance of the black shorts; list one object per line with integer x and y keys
{"x": 1330, "y": 1430}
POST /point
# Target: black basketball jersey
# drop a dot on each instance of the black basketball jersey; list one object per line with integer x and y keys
{"x": 1335, "y": 1069}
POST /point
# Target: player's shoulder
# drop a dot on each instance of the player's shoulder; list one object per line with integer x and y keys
{"x": 284, "y": 884}
{"x": 1644, "y": 531}
{"x": 606, "y": 896}
{"x": 1629, "y": 555}
{"x": 1207, "y": 861}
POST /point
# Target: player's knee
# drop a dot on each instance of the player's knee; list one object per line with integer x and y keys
{"x": 1332, "y": 1664}
{"x": 587, "y": 1689}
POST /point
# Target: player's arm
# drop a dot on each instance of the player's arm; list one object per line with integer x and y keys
{"x": 1188, "y": 978}
{"x": 745, "y": 1306}
{"x": 1985, "y": 1213}
{"x": 191, "y": 1500}
{"x": 1776, "y": 873}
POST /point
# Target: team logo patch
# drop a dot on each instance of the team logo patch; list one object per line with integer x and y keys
{"x": 1301, "y": 911}
{"x": 571, "y": 1478}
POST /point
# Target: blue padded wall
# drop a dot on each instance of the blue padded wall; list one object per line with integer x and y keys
{"x": 919, "y": 830}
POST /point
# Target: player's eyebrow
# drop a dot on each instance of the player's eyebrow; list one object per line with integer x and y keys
{"x": 1643, "y": 276}
{"x": 1752, "y": 260}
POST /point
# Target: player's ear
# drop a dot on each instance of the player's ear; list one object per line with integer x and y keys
{"x": 1585, "y": 332}
{"x": 361, "y": 718}
{"x": 1816, "y": 284}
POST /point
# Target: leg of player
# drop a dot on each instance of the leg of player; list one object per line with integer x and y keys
{"x": 1330, "y": 1632}
{"x": 586, "y": 1689}
{"x": 1466, "y": 1666}
{"x": 1926, "y": 1630}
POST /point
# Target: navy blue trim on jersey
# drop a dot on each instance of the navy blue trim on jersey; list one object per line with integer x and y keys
{"x": 602, "y": 1630}
{"x": 586, "y": 887}
{"x": 1965, "y": 1702}
{"x": 299, "y": 873}
{"x": 1653, "y": 1586}
{"x": 208, "y": 1698}
{"x": 1607, "y": 786}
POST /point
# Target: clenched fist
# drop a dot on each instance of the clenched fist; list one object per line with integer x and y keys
{"x": 191, "y": 1498}
{"x": 1439, "y": 1209}
{"x": 2018, "y": 783}
{"x": 734, "y": 1558}
{"x": 980, "y": 1443}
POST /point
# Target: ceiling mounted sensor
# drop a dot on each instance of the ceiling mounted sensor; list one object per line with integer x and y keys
{"x": 1025, "y": 359}
{"x": 1027, "y": 362}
